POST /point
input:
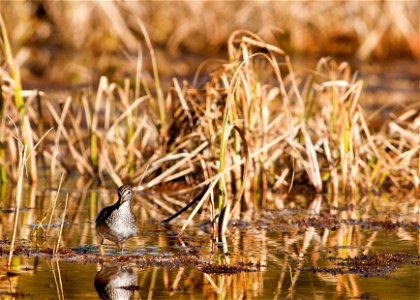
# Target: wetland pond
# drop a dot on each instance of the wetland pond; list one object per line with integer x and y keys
{"x": 299, "y": 246}
{"x": 364, "y": 248}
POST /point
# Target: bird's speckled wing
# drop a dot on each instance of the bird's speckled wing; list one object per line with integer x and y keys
{"x": 103, "y": 215}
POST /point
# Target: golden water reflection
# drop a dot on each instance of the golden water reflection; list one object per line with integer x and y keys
{"x": 275, "y": 248}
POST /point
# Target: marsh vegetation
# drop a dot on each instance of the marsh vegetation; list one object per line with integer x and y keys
{"x": 298, "y": 176}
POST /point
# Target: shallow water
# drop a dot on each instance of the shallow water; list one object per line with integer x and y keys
{"x": 283, "y": 251}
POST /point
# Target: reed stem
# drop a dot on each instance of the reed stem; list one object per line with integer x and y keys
{"x": 19, "y": 186}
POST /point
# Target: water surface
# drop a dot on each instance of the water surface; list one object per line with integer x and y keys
{"x": 282, "y": 251}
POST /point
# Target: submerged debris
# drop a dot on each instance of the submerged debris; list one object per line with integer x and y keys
{"x": 376, "y": 265}
{"x": 285, "y": 219}
{"x": 14, "y": 295}
{"x": 211, "y": 268}
{"x": 168, "y": 260}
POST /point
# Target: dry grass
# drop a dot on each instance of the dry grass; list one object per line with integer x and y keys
{"x": 22, "y": 164}
{"x": 94, "y": 32}
{"x": 253, "y": 125}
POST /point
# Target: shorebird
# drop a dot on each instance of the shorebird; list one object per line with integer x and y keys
{"x": 117, "y": 222}
{"x": 116, "y": 282}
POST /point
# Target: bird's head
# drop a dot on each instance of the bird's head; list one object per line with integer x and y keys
{"x": 125, "y": 193}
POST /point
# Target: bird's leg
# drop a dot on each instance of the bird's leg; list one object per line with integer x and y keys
{"x": 120, "y": 247}
{"x": 101, "y": 247}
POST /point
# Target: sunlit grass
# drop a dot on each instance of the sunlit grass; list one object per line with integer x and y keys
{"x": 253, "y": 131}
{"x": 95, "y": 31}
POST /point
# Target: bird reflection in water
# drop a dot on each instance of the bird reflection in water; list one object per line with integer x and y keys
{"x": 116, "y": 282}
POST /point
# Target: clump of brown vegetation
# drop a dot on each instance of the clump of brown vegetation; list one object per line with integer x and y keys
{"x": 121, "y": 131}
{"x": 224, "y": 269}
{"x": 174, "y": 260}
{"x": 376, "y": 265}
{"x": 93, "y": 33}
{"x": 253, "y": 125}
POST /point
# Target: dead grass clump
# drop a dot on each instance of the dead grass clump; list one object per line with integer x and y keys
{"x": 224, "y": 269}
{"x": 255, "y": 124}
{"x": 401, "y": 149}
{"x": 376, "y": 265}
{"x": 309, "y": 129}
{"x": 96, "y": 31}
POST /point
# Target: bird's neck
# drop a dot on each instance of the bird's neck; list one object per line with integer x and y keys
{"x": 124, "y": 205}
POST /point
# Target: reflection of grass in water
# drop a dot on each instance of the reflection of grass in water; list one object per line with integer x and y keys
{"x": 288, "y": 128}
{"x": 274, "y": 238}
{"x": 22, "y": 163}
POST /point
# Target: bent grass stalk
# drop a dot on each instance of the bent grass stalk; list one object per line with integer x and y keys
{"x": 3, "y": 169}
{"x": 160, "y": 100}
{"x": 201, "y": 202}
{"x": 225, "y": 211}
{"x": 129, "y": 138}
{"x": 111, "y": 171}
{"x": 5, "y": 45}
{"x": 176, "y": 166}
{"x": 112, "y": 129}
{"x": 63, "y": 218}
{"x": 60, "y": 128}
{"x": 57, "y": 280}
{"x": 60, "y": 281}
{"x": 233, "y": 85}
{"x": 103, "y": 87}
{"x": 82, "y": 163}
{"x": 23, "y": 158}
{"x": 22, "y": 163}
{"x": 18, "y": 98}
{"x": 54, "y": 204}
{"x": 240, "y": 93}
